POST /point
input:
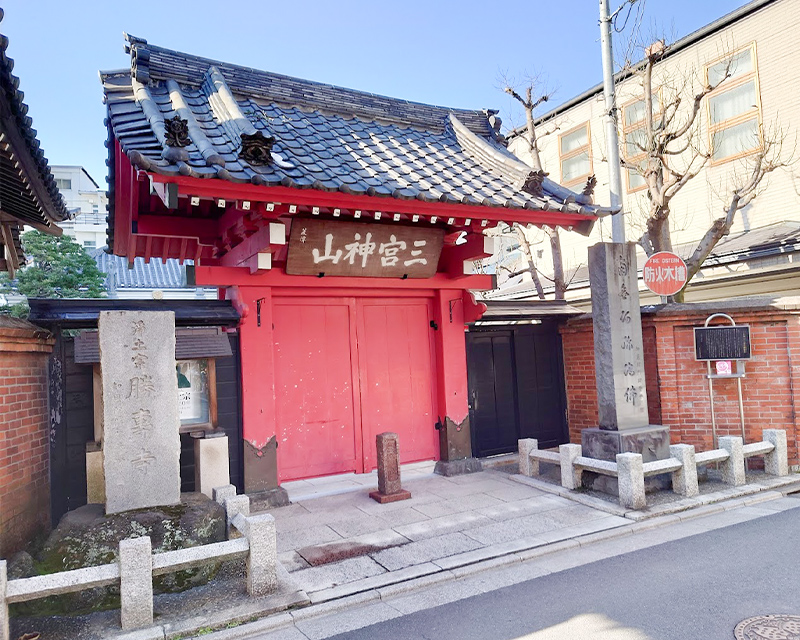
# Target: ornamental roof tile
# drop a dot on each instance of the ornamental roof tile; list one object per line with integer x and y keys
{"x": 311, "y": 135}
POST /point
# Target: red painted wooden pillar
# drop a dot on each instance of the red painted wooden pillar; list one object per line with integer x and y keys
{"x": 451, "y": 358}
{"x": 258, "y": 390}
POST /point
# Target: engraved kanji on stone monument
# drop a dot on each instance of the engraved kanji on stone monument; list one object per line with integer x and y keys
{"x": 141, "y": 445}
{"x": 618, "y": 352}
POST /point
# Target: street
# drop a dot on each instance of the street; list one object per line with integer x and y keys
{"x": 696, "y": 587}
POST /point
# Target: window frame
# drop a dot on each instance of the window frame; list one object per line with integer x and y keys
{"x": 629, "y": 128}
{"x": 576, "y": 152}
{"x": 212, "y": 422}
{"x": 725, "y": 87}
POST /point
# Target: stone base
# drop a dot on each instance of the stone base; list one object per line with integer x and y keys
{"x": 383, "y": 498}
{"x": 651, "y": 441}
{"x": 261, "y": 500}
{"x": 449, "y": 468}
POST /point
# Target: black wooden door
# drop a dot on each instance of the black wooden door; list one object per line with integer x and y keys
{"x": 541, "y": 396}
{"x": 493, "y": 411}
{"x": 516, "y": 388}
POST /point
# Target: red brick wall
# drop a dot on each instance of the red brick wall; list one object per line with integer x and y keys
{"x": 24, "y": 442}
{"x": 677, "y": 390}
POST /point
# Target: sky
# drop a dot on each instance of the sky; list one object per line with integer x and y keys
{"x": 445, "y": 52}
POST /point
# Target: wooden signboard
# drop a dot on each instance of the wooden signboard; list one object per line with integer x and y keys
{"x": 722, "y": 343}
{"x": 338, "y": 248}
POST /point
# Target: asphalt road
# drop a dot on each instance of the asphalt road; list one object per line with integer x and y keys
{"x": 698, "y": 587}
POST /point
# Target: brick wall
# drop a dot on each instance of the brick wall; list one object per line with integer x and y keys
{"x": 677, "y": 389}
{"x": 24, "y": 442}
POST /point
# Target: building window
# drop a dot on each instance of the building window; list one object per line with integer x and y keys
{"x": 634, "y": 131}
{"x": 95, "y": 208}
{"x": 63, "y": 184}
{"x": 89, "y": 244}
{"x": 576, "y": 156}
{"x": 734, "y": 110}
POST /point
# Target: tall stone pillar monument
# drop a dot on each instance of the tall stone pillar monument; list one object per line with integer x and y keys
{"x": 624, "y": 425}
{"x": 141, "y": 442}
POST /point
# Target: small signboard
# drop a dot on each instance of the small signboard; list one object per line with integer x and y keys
{"x": 338, "y": 248}
{"x": 722, "y": 343}
{"x": 664, "y": 273}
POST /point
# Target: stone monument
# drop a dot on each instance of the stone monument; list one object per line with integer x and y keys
{"x": 390, "y": 488}
{"x": 624, "y": 425}
{"x": 141, "y": 444}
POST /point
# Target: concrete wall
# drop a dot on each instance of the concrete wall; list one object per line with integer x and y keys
{"x": 702, "y": 200}
{"x": 24, "y": 428}
{"x": 676, "y": 385}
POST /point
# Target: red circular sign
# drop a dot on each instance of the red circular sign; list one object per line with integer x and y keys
{"x": 664, "y": 273}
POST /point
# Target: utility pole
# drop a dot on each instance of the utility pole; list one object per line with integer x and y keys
{"x": 612, "y": 141}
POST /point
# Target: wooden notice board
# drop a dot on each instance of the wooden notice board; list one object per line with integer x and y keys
{"x": 338, "y": 248}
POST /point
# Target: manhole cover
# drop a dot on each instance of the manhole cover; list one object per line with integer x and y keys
{"x": 777, "y": 627}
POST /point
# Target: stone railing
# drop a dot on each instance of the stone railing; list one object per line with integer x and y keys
{"x": 250, "y": 537}
{"x": 630, "y": 470}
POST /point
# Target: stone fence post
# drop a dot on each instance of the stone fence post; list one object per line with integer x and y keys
{"x": 527, "y": 466}
{"x": 776, "y": 462}
{"x": 136, "y": 582}
{"x": 630, "y": 479}
{"x": 571, "y": 476}
{"x": 684, "y": 480}
{"x": 733, "y": 467}
{"x": 262, "y": 561}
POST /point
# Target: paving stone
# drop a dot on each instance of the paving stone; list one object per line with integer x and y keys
{"x": 356, "y": 546}
{"x": 292, "y": 561}
{"x": 457, "y": 505}
{"x": 343, "y": 513}
{"x": 509, "y": 510}
{"x": 514, "y": 492}
{"x": 288, "y": 541}
{"x": 425, "y": 551}
{"x": 442, "y": 525}
{"x": 359, "y": 524}
{"x": 331, "y": 575}
{"x": 400, "y": 517}
{"x": 509, "y": 530}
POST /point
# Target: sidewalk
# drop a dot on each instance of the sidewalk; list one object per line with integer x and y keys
{"x": 343, "y": 543}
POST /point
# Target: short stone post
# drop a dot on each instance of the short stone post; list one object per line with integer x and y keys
{"x": 571, "y": 476}
{"x": 527, "y": 465}
{"x": 233, "y": 507}
{"x": 389, "y": 487}
{"x": 211, "y": 464}
{"x": 630, "y": 479}
{"x": 262, "y": 570}
{"x": 5, "y": 632}
{"x": 776, "y": 462}
{"x": 221, "y": 494}
{"x": 733, "y": 467}
{"x": 684, "y": 480}
{"x": 136, "y": 582}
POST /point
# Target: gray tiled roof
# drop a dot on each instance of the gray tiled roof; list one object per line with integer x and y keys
{"x": 156, "y": 274}
{"x": 326, "y": 137}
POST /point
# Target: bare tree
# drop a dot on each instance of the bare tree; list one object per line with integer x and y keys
{"x": 670, "y": 154}
{"x": 530, "y": 102}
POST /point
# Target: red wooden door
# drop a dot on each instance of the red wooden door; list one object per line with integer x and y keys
{"x": 396, "y": 367}
{"x": 316, "y": 409}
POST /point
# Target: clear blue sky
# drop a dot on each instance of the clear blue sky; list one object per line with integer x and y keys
{"x": 444, "y": 52}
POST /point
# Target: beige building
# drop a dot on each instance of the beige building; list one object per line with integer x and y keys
{"x": 762, "y": 252}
